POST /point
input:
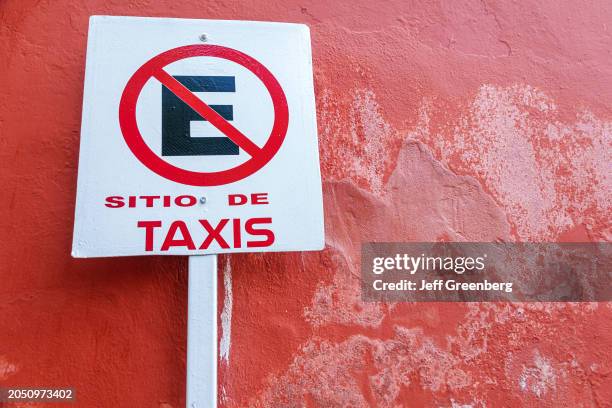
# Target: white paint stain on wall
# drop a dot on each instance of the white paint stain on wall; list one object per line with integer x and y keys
{"x": 360, "y": 143}
{"x": 226, "y": 313}
{"x": 539, "y": 378}
{"x": 6, "y": 368}
{"x": 514, "y": 140}
{"x": 340, "y": 302}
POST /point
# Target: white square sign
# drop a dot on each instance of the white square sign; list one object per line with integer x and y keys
{"x": 198, "y": 137}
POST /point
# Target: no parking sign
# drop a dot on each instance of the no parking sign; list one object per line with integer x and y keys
{"x": 198, "y": 137}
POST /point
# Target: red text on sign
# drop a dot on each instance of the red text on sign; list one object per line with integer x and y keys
{"x": 226, "y": 233}
{"x": 150, "y": 201}
{"x": 242, "y": 199}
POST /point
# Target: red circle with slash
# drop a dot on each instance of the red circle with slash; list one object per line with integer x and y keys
{"x": 154, "y": 69}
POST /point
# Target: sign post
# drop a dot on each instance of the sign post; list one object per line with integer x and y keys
{"x": 202, "y": 332}
{"x": 198, "y": 137}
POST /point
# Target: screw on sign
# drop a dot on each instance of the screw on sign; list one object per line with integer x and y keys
{"x": 154, "y": 68}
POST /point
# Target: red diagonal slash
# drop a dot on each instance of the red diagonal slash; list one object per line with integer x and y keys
{"x": 207, "y": 112}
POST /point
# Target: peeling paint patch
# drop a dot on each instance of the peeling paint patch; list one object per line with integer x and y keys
{"x": 550, "y": 175}
{"x": 361, "y": 144}
{"x": 455, "y": 404}
{"x": 340, "y": 302}
{"x": 364, "y": 372}
{"x": 539, "y": 378}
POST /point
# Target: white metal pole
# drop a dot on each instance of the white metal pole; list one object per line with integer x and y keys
{"x": 202, "y": 332}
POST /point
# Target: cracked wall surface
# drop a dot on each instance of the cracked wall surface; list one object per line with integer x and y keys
{"x": 463, "y": 121}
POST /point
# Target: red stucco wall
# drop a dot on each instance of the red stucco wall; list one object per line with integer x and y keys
{"x": 471, "y": 120}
